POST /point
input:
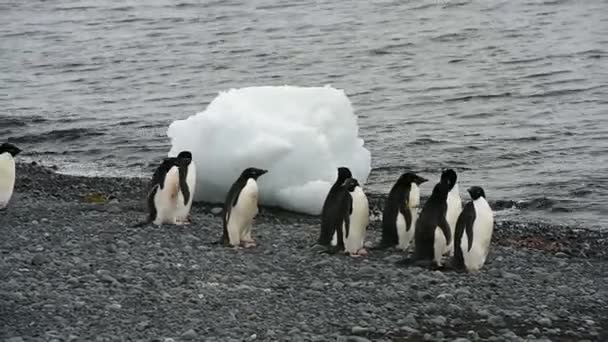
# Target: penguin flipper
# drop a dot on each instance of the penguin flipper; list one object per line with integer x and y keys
{"x": 183, "y": 185}
{"x": 445, "y": 227}
{"x": 464, "y": 223}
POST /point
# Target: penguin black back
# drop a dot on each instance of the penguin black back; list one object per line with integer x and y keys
{"x": 330, "y": 216}
{"x": 397, "y": 202}
{"x": 232, "y": 196}
{"x": 431, "y": 217}
{"x": 157, "y": 182}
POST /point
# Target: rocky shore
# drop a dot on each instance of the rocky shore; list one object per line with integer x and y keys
{"x": 73, "y": 269}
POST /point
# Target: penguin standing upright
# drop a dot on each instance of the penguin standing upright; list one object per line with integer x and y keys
{"x": 168, "y": 188}
{"x": 454, "y": 202}
{"x": 187, "y": 178}
{"x": 433, "y": 233}
{"x": 8, "y": 152}
{"x": 240, "y": 207}
{"x": 358, "y": 218}
{"x": 474, "y": 230}
{"x": 330, "y": 216}
{"x": 401, "y": 212}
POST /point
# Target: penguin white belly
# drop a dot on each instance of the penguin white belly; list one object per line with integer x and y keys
{"x": 359, "y": 219}
{"x": 7, "y": 178}
{"x": 243, "y": 213}
{"x": 483, "y": 227}
{"x": 454, "y": 209}
{"x": 401, "y": 232}
{"x": 184, "y": 209}
{"x": 439, "y": 246}
{"x": 165, "y": 199}
{"x": 414, "y": 200}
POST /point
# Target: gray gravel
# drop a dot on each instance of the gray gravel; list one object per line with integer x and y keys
{"x": 76, "y": 271}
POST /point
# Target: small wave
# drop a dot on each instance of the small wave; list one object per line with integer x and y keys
{"x": 485, "y": 96}
{"x": 63, "y": 135}
{"x": 522, "y": 61}
{"x": 545, "y": 74}
{"x": 426, "y": 141}
{"x": 562, "y": 92}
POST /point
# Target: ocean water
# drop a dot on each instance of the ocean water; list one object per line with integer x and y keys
{"x": 512, "y": 94}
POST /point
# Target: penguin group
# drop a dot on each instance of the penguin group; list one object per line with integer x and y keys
{"x": 442, "y": 227}
{"x": 171, "y": 190}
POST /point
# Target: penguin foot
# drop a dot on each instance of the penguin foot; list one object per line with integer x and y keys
{"x": 437, "y": 267}
{"x": 248, "y": 244}
{"x": 360, "y": 253}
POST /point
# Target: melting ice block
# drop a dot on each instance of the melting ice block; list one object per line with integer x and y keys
{"x": 300, "y": 135}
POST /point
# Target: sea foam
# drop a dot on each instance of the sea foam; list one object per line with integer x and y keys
{"x": 301, "y": 135}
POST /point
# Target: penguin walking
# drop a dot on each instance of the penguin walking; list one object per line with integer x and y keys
{"x": 474, "y": 230}
{"x": 8, "y": 152}
{"x": 240, "y": 208}
{"x": 358, "y": 219}
{"x": 432, "y": 233}
{"x": 187, "y": 177}
{"x": 168, "y": 187}
{"x": 401, "y": 212}
{"x": 330, "y": 216}
{"x": 454, "y": 202}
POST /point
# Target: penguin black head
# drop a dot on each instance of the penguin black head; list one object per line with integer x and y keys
{"x": 476, "y": 192}
{"x": 10, "y": 148}
{"x": 185, "y": 155}
{"x": 410, "y": 177}
{"x": 350, "y": 184}
{"x": 343, "y": 173}
{"x": 252, "y": 172}
{"x": 449, "y": 177}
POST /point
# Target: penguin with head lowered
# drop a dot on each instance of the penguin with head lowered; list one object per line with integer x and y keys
{"x": 329, "y": 220}
{"x": 454, "y": 202}
{"x": 432, "y": 233}
{"x": 352, "y": 211}
{"x": 8, "y": 152}
{"x": 184, "y": 199}
{"x": 474, "y": 230}
{"x": 240, "y": 208}
{"x": 170, "y": 191}
{"x": 401, "y": 212}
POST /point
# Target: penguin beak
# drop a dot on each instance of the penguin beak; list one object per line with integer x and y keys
{"x": 261, "y": 172}
{"x": 16, "y": 150}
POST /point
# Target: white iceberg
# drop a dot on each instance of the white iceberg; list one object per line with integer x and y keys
{"x": 301, "y": 135}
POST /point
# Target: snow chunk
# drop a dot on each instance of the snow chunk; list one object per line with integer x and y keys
{"x": 301, "y": 135}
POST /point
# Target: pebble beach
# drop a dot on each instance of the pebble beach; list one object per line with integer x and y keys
{"x": 74, "y": 269}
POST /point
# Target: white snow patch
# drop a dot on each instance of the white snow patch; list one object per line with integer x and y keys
{"x": 301, "y": 135}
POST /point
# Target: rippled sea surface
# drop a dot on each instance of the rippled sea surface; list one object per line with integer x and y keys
{"x": 512, "y": 94}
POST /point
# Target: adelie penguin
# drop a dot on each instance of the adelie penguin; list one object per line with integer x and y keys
{"x": 432, "y": 233}
{"x": 401, "y": 212}
{"x": 329, "y": 219}
{"x": 240, "y": 208}
{"x": 171, "y": 191}
{"x": 8, "y": 152}
{"x": 474, "y": 230}
{"x": 454, "y": 202}
{"x": 352, "y": 211}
